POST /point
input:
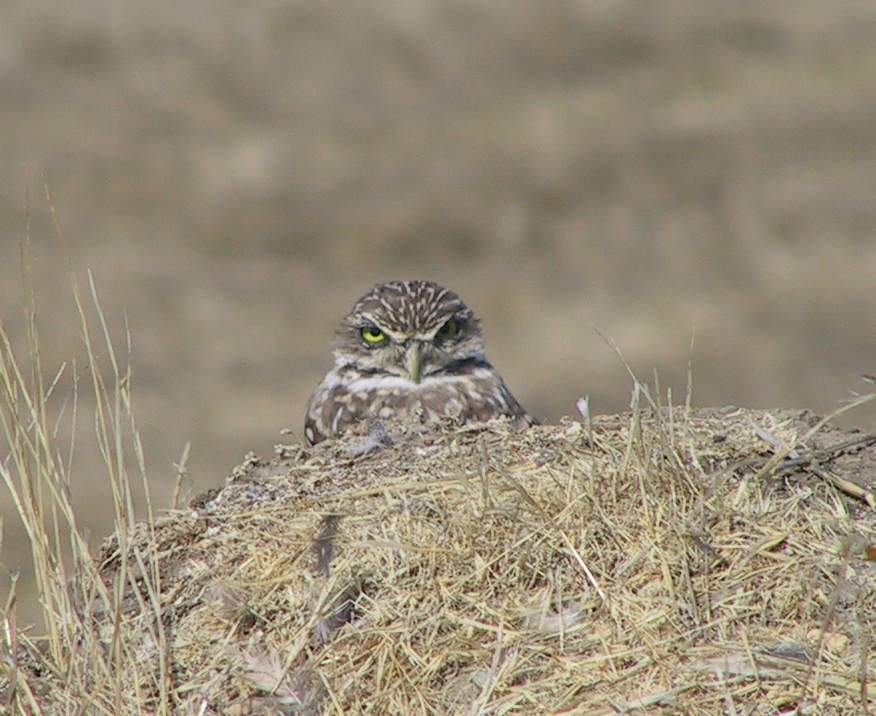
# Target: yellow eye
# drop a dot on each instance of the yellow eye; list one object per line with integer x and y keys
{"x": 449, "y": 329}
{"x": 372, "y": 335}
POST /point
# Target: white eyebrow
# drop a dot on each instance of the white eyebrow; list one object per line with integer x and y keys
{"x": 428, "y": 336}
{"x": 373, "y": 322}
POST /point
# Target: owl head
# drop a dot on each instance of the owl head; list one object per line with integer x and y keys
{"x": 410, "y": 329}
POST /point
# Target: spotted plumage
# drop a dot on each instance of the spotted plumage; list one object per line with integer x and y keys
{"x": 409, "y": 350}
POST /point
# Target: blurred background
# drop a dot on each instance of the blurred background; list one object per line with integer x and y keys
{"x": 237, "y": 174}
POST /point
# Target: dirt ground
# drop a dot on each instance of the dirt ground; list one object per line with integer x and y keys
{"x": 236, "y": 179}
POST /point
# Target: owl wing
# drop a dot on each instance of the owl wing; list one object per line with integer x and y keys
{"x": 321, "y": 418}
{"x": 490, "y": 398}
{"x": 333, "y": 407}
{"x": 314, "y": 428}
{"x": 515, "y": 410}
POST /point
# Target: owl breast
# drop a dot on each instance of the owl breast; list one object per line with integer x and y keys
{"x": 473, "y": 397}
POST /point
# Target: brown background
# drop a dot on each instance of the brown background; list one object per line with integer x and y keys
{"x": 236, "y": 174}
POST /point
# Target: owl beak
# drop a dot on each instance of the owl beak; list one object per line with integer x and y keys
{"x": 413, "y": 362}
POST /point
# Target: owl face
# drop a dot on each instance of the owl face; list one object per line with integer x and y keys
{"x": 408, "y": 329}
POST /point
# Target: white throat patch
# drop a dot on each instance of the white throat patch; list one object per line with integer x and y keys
{"x": 396, "y": 382}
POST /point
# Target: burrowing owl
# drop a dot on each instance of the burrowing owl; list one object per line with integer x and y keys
{"x": 409, "y": 349}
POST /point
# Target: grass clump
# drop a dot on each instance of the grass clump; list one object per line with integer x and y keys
{"x": 93, "y": 664}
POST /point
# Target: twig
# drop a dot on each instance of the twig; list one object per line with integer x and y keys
{"x": 816, "y": 456}
{"x": 658, "y": 698}
{"x": 590, "y": 578}
{"x": 780, "y": 455}
{"x": 846, "y": 486}
{"x": 831, "y": 609}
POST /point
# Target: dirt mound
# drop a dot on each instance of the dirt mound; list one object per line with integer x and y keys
{"x": 703, "y": 561}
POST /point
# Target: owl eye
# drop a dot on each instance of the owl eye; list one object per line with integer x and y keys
{"x": 449, "y": 329}
{"x": 372, "y": 335}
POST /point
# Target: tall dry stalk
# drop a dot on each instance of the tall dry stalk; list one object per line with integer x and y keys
{"x": 38, "y": 470}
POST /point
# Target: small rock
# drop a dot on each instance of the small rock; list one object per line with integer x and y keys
{"x": 835, "y": 642}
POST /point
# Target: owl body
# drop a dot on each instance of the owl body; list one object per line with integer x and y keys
{"x": 409, "y": 350}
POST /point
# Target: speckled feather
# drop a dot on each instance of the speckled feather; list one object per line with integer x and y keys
{"x": 367, "y": 381}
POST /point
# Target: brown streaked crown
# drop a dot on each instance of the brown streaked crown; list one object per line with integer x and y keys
{"x": 407, "y": 308}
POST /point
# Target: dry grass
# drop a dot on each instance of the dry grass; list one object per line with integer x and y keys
{"x": 695, "y": 561}
{"x": 235, "y": 181}
{"x": 37, "y": 472}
